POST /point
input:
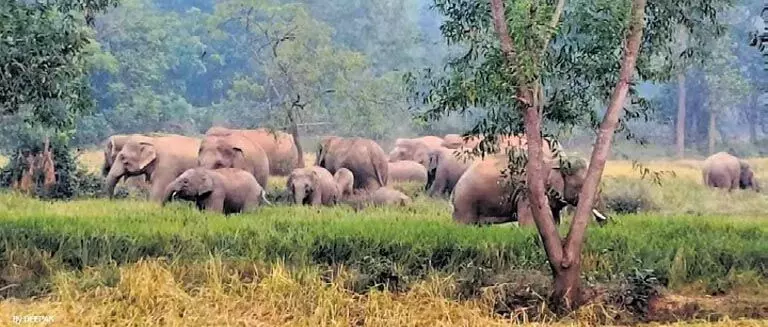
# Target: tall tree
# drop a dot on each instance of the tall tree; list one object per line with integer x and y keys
{"x": 533, "y": 71}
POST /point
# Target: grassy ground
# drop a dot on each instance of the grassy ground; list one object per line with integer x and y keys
{"x": 128, "y": 262}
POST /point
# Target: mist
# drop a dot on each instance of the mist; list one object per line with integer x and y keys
{"x": 182, "y": 66}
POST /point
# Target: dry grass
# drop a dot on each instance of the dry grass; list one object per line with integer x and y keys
{"x": 156, "y": 293}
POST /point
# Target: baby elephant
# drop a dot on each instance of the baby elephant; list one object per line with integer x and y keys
{"x": 383, "y": 196}
{"x": 313, "y": 185}
{"x": 224, "y": 190}
{"x": 407, "y": 171}
{"x": 345, "y": 181}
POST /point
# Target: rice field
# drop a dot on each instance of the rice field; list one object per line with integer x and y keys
{"x": 129, "y": 262}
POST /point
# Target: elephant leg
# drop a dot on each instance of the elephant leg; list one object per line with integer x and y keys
{"x": 252, "y": 202}
{"x": 317, "y": 198}
{"x": 438, "y": 185}
{"x": 214, "y": 203}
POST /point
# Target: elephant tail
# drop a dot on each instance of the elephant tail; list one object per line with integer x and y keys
{"x": 264, "y": 198}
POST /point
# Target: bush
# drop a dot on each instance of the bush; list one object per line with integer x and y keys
{"x": 624, "y": 196}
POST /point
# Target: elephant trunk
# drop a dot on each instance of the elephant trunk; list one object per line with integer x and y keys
{"x": 106, "y": 166}
{"x": 430, "y": 179}
{"x": 116, "y": 171}
{"x": 298, "y": 196}
{"x": 169, "y": 193}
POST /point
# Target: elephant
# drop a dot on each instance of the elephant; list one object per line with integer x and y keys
{"x": 723, "y": 170}
{"x": 313, "y": 186}
{"x": 363, "y": 157}
{"x": 345, "y": 182}
{"x": 383, "y": 196}
{"x": 456, "y": 141}
{"x": 160, "y": 159}
{"x": 431, "y": 141}
{"x": 411, "y": 149}
{"x": 223, "y": 190}
{"x": 234, "y": 151}
{"x": 486, "y": 195}
{"x": 407, "y": 171}
{"x": 564, "y": 185}
{"x": 503, "y": 142}
{"x": 279, "y": 146}
{"x": 444, "y": 168}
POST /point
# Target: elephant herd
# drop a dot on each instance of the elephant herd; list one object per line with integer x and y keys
{"x": 228, "y": 169}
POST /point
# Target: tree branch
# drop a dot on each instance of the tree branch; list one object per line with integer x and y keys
{"x": 553, "y": 22}
{"x": 575, "y": 239}
{"x": 500, "y": 25}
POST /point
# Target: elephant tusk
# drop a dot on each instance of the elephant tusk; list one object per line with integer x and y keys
{"x": 599, "y": 216}
{"x": 173, "y": 194}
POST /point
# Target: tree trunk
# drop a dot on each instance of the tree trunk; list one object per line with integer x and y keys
{"x": 752, "y": 118}
{"x": 711, "y": 133}
{"x": 680, "y": 128}
{"x": 567, "y": 284}
{"x": 296, "y": 141}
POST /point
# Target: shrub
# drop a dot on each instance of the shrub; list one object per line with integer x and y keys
{"x": 624, "y": 195}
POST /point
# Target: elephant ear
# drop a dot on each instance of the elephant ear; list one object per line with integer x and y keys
{"x": 148, "y": 154}
{"x": 206, "y": 185}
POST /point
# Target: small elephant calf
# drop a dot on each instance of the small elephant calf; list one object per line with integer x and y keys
{"x": 223, "y": 190}
{"x": 313, "y": 186}
{"x": 383, "y": 196}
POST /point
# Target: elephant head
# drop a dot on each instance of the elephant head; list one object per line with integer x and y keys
{"x": 302, "y": 183}
{"x": 191, "y": 185}
{"x": 138, "y": 156}
{"x": 322, "y": 150}
{"x": 112, "y": 147}
{"x": 747, "y": 177}
{"x": 222, "y": 152}
{"x": 567, "y": 179}
{"x": 410, "y": 149}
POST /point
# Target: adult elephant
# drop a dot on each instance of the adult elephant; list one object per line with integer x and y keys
{"x": 160, "y": 159}
{"x": 503, "y": 142}
{"x": 444, "y": 168}
{"x": 723, "y": 170}
{"x": 363, "y": 157}
{"x": 456, "y": 141}
{"x": 412, "y": 149}
{"x": 234, "y": 150}
{"x": 279, "y": 146}
{"x": 485, "y": 194}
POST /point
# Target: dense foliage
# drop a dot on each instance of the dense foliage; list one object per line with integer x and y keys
{"x": 329, "y": 67}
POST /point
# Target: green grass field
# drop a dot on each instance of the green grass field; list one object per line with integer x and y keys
{"x": 130, "y": 262}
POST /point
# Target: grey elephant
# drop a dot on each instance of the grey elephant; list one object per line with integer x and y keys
{"x": 159, "y": 159}
{"x": 383, "y": 196}
{"x": 411, "y": 149}
{"x": 313, "y": 186}
{"x": 234, "y": 151}
{"x": 224, "y": 190}
{"x": 444, "y": 168}
{"x": 723, "y": 170}
{"x": 280, "y": 148}
{"x": 345, "y": 182}
{"x": 456, "y": 141}
{"x": 485, "y": 193}
{"x": 407, "y": 171}
{"x": 363, "y": 157}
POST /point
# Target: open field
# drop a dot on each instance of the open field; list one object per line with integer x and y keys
{"x": 128, "y": 262}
